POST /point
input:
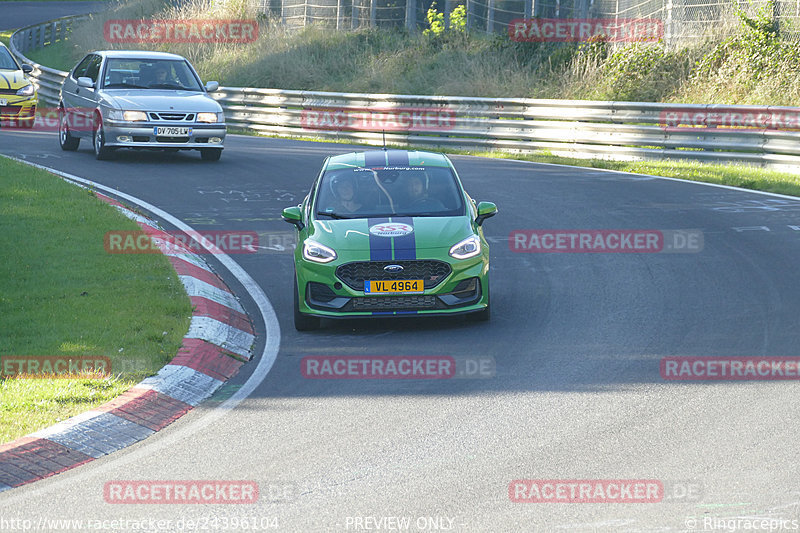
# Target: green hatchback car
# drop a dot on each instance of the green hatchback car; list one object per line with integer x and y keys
{"x": 389, "y": 233}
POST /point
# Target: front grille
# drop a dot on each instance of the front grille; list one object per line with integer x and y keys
{"x": 8, "y": 91}
{"x": 172, "y": 139}
{"x": 430, "y": 271}
{"x": 172, "y": 117}
{"x": 393, "y": 303}
{"x": 141, "y": 139}
{"x": 9, "y": 109}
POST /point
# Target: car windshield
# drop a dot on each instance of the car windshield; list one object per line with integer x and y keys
{"x": 389, "y": 191}
{"x": 173, "y": 74}
{"x": 6, "y": 61}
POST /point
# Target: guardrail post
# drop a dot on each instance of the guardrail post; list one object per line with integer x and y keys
{"x": 447, "y": 14}
{"x": 39, "y": 43}
{"x": 411, "y": 15}
{"x": 490, "y": 17}
{"x": 528, "y": 13}
{"x": 354, "y": 16}
{"x": 373, "y": 13}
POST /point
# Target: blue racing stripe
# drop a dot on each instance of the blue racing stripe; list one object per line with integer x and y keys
{"x": 380, "y": 248}
{"x": 374, "y": 159}
{"x": 405, "y": 247}
{"x": 396, "y": 158}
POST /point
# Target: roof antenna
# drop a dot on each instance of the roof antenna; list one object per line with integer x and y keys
{"x": 384, "y": 139}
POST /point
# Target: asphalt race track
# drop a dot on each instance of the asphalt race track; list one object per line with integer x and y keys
{"x": 19, "y": 14}
{"x": 576, "y": 339}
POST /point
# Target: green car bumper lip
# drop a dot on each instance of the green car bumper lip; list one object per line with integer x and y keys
{"x": 320, "y": 297}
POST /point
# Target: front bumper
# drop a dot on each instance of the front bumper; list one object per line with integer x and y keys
{"x": 322, "y": 293}
{"x": 20, "y": 109}
{"x": 142, "y": 135}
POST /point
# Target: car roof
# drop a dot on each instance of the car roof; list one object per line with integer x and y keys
{"x": 388, "y": 158}
{"x": 137, "y": 54}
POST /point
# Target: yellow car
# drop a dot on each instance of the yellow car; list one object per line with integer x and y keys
{"x": 18, "y": 98}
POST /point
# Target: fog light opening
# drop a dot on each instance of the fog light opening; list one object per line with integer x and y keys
{"x": 215, "y": 140}
{"x": 123, "y": 139}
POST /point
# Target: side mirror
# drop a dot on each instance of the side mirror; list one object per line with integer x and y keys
{"x": 212, "y": 86}
{"x": 294, "y": 216}
{"x": 26, "y": 68}
{"x": 485, "y": 210}
{"x": 85, "y": 82}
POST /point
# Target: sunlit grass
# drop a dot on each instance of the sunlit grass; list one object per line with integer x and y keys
{"x": 61, "y": 293}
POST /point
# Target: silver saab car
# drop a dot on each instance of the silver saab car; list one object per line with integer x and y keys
{"x": 141, "y": 100}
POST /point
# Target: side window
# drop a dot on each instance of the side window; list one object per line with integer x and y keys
{"x": 93, "y": 69}
{"x": 81, "y": 68}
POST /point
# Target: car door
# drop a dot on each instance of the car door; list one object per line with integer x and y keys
{"x": 81, "y": 102}
{"x": 70, "y": 97}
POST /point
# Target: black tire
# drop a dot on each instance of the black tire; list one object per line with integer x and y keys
{"x": 101, "y": 152}
{"x": 210, "y": 154}
{"x": 65, "y": 139}
{"x": 303, "y": 322}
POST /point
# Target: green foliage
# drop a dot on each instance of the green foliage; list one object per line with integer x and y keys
{"x": 435, "y": 21}
{"x": 436, "y": 26}
{"x": 458, "y": 19}
{"x": 643, "y": 72}
{"x": 754, "y": 65}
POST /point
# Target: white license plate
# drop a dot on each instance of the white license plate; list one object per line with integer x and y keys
{"x": 171, "y": 131}
{"x": 3, "y": 101}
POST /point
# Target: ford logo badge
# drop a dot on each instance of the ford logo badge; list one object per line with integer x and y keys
{"x": 393, "y": 269}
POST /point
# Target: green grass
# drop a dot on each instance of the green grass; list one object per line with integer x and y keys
{"x": 60, "y": 56}
{"x": 61, "y": 293}
{"x": 5, "y": 36}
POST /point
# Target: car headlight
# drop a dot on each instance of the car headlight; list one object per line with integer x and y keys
{"x": 134, "y": 116}
{"x": 318, "y": 253}
{"x": 469, "y": 247}
{"x": 210, "y": 117}
{"x": 26, "y": 91}
{"x": 127, "y": 116}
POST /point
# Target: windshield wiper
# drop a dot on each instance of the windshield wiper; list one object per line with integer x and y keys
{"x": 173, "y": 86}
{"x": 333, "y": 215}
{"x": 123, "y": 85}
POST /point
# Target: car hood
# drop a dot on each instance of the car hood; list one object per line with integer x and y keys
{"x": 428, "y": 233}
{"x": 12, "y": 79}
{"x": 160, "y": 100}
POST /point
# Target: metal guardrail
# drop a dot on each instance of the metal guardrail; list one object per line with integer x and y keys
{"x": 763, "y": 136}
